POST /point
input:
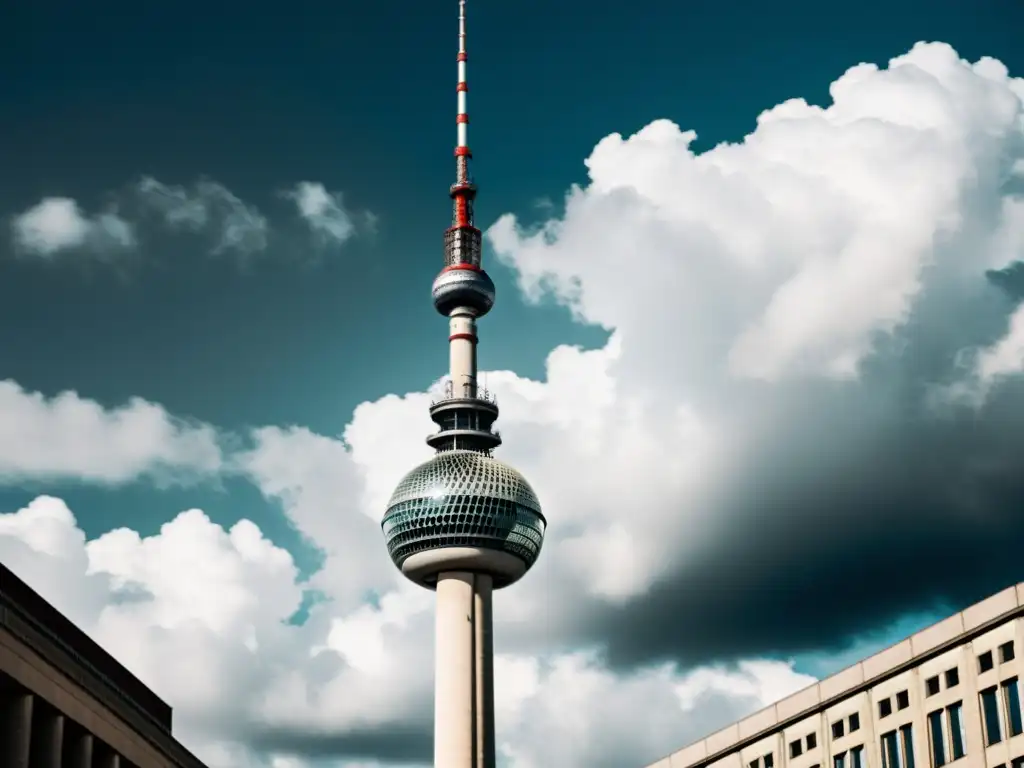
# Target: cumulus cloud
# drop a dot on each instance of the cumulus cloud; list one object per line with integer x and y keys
{"x": 782, "y": 310}
{"x": 71, "y": 437}
{"x": 323, "y": 211}
{"x": 571, "y": 710}
{"x": 207, "y": 626}
{"x": 207, "y": 206}
{"x": 57, "y": 224}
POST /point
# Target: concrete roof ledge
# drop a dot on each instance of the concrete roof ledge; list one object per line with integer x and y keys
{"x": 798, "y": 702}
{"x": 689, "y": 755}
{"x": 937, "y": 634}
{"x": 841, "y": 681}
{"x": 759, "y": 721}
{"x": 723, "y": 739}
{"x": 992, "y": 608}
{"x": 1020, "y": 593}
{"x": 885, "y": 660}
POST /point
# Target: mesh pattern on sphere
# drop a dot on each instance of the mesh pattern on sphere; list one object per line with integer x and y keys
{"x": 463, "y": 499}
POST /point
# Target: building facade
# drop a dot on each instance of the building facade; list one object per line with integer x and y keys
{"x": 949, "y": 695}
{"x": 67, "y": 703}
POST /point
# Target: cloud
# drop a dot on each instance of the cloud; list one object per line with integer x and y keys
{"x": 206, "y": 209}
{"x": 755, "y": 464}
{"x": 57, "y": 224}
{"x": 762, "y": 424}
{"x": 320, "y": 488}
{"x": 207, "y": 626}
{"x": 207, "y": 206}
{"x": 571, "y": 710}
{"x": 71, "y": 437}
{"x": 323, "y": 212}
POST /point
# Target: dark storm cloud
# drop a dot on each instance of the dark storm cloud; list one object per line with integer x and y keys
{"x": 1010, "y": 279}
{"x": 854, "y": 504}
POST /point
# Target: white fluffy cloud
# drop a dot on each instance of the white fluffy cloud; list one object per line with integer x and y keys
{"x": 801, "y": 243}
{"x": 200, "y": 613}
{"x": 206, "y": 208}
{"x": 571, "y": 710}
{"x": 207, "y": 205}
{"x": 57, "y": 224}
{"x": 323, "y": 211}
{"x": 68, "y": 436}
{"x": 779, "y": 311}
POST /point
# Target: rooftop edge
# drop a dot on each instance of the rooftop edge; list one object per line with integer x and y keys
{"x": 930, "y": 641}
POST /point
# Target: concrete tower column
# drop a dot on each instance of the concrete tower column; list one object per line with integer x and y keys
{"x": 484, "y": 670}
{"x": 454, "y": 701}
{"x": 16, "y": 725}
{"x": 464, "y": 676}
{"x": 462, "y": 352}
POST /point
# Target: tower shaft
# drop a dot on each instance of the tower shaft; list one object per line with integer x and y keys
{"x": 462, "y": 352}
{"x": 464, "y": 672}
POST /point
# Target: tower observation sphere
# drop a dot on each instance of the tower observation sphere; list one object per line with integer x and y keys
{"x": 463, "y": 509}
{"x": 463, "y": 523}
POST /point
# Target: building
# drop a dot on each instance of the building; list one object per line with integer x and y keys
{"x": 463, "y": 523}
{"x": 66, "y": 703}
{"x": 948, "y": 696}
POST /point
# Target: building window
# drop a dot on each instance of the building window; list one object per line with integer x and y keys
{"x": 952, "y": 677}
{"x": 855, "y": 722}
{"x": 755, "y": 763}
{"x": 796, "y": 748}
{"x": 1011, "y": 700}
{"x": 985, "y": 662}
{"x": 990, "y": 716}
{"x": 884, "y": 708}
{"x": 957, "y": 734}
{"x": 931, "y": 686}
{"x": 937, "y": 734}
{"x": 769, "y": 760}
{"x": 1006, "y": 652}
{"x": 898, "y": 748}
{"x": 837, "y": 729}
{"x": 902, "y": 699}
{"x": 857, "y": 758}
{"x": 812, "y": 741}
{"x": 839, "y": 761}
{"x": 907, "y": 743}
{"x": 1018, "y": 762}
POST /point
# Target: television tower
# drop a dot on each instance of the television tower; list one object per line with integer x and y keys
{"x": 463, "y": 523}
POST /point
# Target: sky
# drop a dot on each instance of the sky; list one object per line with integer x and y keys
{"x": 758, "y": 345}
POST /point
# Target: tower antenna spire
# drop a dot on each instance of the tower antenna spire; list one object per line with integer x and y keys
{"x": 462, "y": 151}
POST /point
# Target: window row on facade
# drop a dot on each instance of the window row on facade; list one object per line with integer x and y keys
{"x": 961, "y": 702}
{"x": 1001, "y": 715}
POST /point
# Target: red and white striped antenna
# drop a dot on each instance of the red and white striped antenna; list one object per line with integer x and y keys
{"x": 464, "y": 201}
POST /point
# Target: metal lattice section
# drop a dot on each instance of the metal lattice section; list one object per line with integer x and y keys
{"x": 464, "y": 499}
{"x": 462, "y": 245}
